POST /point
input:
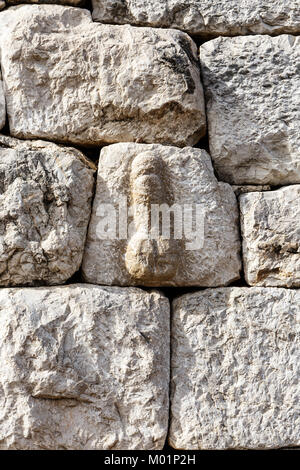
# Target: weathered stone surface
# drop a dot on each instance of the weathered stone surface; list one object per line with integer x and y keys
{"x": 83, "y": 367}
{"x": 45, "y": 204}
{"x": 71, "y": 80}
{"x": 2, "y": 105}
{"x": 148, "y": 175}
{"x": 74, "y": 3}
{"x": 236, "y": 366}
{"x": 204, "y": 17}
{"x": 252, "y": 89}
{"x": 238, "y": 190}
{"x": 270, "y": 225}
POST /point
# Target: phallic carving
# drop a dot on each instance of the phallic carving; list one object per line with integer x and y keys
{"x": 149, "y": 258}
{"x": 156, "y": 220}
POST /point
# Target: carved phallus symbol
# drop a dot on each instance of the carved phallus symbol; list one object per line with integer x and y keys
{"x": 150, "y": 260}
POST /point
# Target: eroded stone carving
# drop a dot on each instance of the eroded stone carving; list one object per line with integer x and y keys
{"x": 45, "y": 203}
{"x": 134, "y": 178}
{"x": 68, "y": 79}
{"x": 270, "y": 224}
{"x": 83, "y": 367}
{"x": 147, "y": 259}
{"x": 204, "y": 17}
{"x": 252, "y": 96}
{"x": 236, "y": 366}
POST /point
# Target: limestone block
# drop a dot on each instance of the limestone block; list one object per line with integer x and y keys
{"x": 270, "y": 224}
{"x": 235, "y": 367}
{"x": 252, "y": 95}
{"x": 200, "y": 243}
{"x": 204, "y": 17}
{"x": 45, "y": 205}
{"x": 83, "y": 367}
{"x": 68, "y": 79}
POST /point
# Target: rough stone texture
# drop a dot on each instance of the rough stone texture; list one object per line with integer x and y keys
{"x": 204, "y": 17}
{"x": 69, "y": 79}
{"x": 74, "y": 3}
{"x": 83, "y": 367}
{"x": 252, "y": 96}
{"x": 45, "y": 204}
{"x": 238, "y": 190}
{"x": 270, "y": 225}
{"x": 2, "y": 105}
{"x": 156, "y": 174}
{"x": 236, "y": 366}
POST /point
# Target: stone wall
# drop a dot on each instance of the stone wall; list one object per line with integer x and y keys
{"x": 149, "y": 224}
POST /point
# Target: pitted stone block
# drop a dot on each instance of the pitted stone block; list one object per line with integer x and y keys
{"x": 160, "y": 218}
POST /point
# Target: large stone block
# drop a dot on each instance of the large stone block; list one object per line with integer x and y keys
{"x": 45, "y": 205}
{"x": 83, "y": 367}
{"x": 68, "y": 79}
{"x": 204, "y": 17}
{"x": 134, "y": 182}
{"x": 252, "y": 91}
{"x": 270, "y": 224}
{"x": 236, "y": 366}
